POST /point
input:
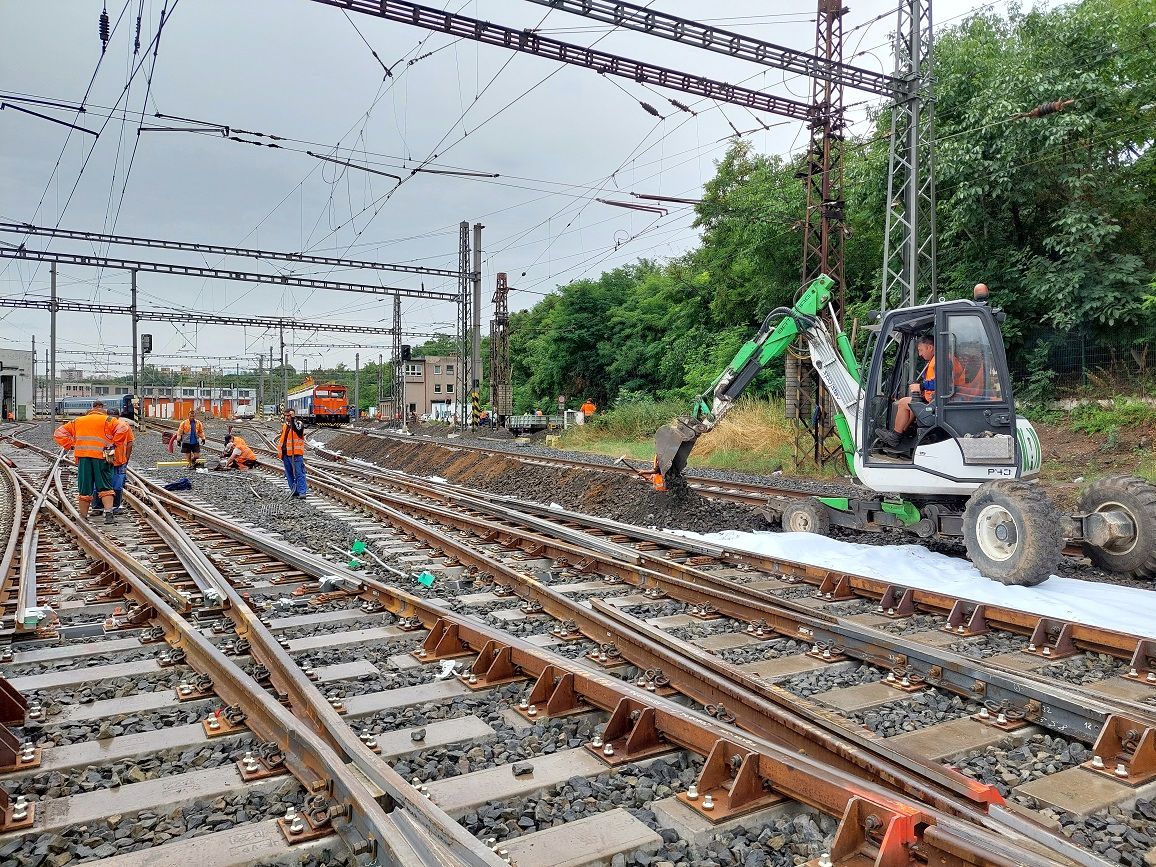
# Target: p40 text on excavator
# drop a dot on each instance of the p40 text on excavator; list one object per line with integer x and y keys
{"x": 930, "y": 433}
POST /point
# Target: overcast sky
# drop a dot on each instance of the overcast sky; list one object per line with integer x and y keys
{"x": 558, "y": 136}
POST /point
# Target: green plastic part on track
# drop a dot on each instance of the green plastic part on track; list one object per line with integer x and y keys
{"x": 905, "y": 511}
{"x": 839, "y": 504}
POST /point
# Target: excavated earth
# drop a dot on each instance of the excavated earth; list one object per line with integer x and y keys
{"x": 622, "y": 498}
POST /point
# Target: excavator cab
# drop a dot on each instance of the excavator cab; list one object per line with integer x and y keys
{"x": 964, "y": 429}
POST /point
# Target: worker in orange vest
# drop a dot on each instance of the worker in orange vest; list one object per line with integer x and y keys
{"x": 122, "y": 451}
{"x": 291, "y": 444}
{"x": 92, "y": 438}
{"x": 190, "y": 435}
{"x": 237, "y": 454}
{"x": 589, "y": 408}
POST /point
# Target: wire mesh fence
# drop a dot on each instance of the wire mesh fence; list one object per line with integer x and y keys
{"x": 1079, "y": 359}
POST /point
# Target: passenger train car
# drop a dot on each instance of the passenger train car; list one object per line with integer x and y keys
{"x": 328, "y": 404}
{"x": 77, "y": 406}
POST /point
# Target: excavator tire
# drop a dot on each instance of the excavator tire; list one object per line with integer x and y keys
{"x": 1013, "y": 532}
{"x": 806, "y": 515}
{"x": 1137, "y": 498}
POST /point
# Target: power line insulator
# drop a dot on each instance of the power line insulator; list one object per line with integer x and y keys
{"x": 650, "y": 109}
{"x": 104, "y": 30}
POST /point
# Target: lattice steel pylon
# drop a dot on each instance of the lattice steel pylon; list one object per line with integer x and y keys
{"x": 397, "y": 389}
{"x": 462, "y": 373}
{"x": 823, "y": 235}
{"x": 909, "y": 239}
{"x": 501, "y": 379}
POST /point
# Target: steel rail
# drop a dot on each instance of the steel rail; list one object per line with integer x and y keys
{"x": 17, "y": 504}
{"x": 1071, "y": 712}
{"x": 717, "y": 489}
{"x": 1056, "y": 708}
{"x": 691, "y": 674}
{"x": 1096, "y": 639}
{"x": 426, "y": 831}
{"x": 799, "y": 777}
{"x": 411, "y": 833}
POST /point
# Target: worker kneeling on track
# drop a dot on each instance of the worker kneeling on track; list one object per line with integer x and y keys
{"x": 237, "y": 454}
{"x": 93, "y": 439}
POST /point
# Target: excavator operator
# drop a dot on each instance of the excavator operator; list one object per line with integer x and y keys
{"x": 924, "y": 388}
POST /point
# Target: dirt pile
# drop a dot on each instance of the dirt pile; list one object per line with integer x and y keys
{"x": 606, "y": 494}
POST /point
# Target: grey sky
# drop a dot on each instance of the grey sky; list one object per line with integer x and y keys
{"x": 300, "y": 70}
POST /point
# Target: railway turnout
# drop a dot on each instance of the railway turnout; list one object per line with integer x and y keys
{"x": 196, "y": 679}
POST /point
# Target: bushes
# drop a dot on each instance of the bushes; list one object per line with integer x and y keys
{"x": 1094, "y": 419}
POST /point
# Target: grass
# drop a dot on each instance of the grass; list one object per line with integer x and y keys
{"x": 754, "y": 437}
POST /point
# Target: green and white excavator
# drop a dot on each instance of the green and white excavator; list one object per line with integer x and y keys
{"x": 964, "y": 467}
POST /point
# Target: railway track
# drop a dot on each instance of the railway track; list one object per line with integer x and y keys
{"x": 626, "y": 678}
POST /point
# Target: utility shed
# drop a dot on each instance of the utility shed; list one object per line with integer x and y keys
{"x": 16, "y": 382}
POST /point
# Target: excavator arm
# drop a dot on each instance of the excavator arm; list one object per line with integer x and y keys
{"x": 674, "y": 442}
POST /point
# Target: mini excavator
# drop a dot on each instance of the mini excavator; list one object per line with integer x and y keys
{"x": 964, "y": 467}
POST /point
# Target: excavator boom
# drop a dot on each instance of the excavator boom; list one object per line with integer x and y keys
{"x": 675, "y": 441}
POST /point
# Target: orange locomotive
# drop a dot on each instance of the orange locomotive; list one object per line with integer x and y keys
{"x": 327, "y": 403}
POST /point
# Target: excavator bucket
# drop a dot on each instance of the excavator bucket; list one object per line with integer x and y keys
{"x": 672, "y": 446}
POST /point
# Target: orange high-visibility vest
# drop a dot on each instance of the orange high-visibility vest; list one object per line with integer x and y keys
{"x": 289, "y": 442}
{"x": 88, "y": 435}
{"x": 122, "y": 437}
{"x": 247, "y": 454}
{"x": 186, "y": 427}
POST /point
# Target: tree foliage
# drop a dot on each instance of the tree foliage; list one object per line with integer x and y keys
{"x": 1056, "y": 213}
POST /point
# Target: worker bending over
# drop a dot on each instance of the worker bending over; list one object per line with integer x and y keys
{"x": 237, "y": 454}
{"x": 291, "y": 444}
{"x": 92, "y": 439}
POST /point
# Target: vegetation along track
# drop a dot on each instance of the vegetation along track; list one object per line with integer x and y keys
{"x": 812, "y": 782}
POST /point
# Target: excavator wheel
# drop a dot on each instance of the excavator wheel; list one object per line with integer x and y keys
{"x": 1013, "y": 532}
{"x": 1133, "y": 551}
{"x": 806, "y": 515}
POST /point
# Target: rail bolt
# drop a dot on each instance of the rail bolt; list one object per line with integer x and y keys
{"x": 608, "y": 750}
{"x": 826, "y": 653}
{"x": 984, "y": 713}
{"x": 1132, "y": 672}
{"x": 249, "y": 763}
{"x": 213, "y": 723}
{"x": 35, "y": 710}
{"x": 184, "y": 689}
{"x": 1121, "y": 770}
{"x": 290, "y": 814}
{"x": 960, "y": 629}
{"x": 1031, "y": 647}
{"x": 532, "y": 710}
{"x": 597, "y": 742}
{"x": 422, "y": 652}
{"x": 20, "y": 809}
{"x": 692, "y": 793}
{"x": 1151, "y": 678}
{"x": 825, "y": 860}
{"x": 708, "y": 802}
{"x": 814, "y": 648}
{"x": 524, "y": 704}
{"x": 1047, "y": 651}
{"x": 1098, "y": 762}
{"x": 297, "y": 825}
{"x": 1001, "y": 719}
{"x": 415, "y": 782}
{"x": 906, "y": 681}
{"x": 369, "y": 740}
{"x": 879, "y": 609}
